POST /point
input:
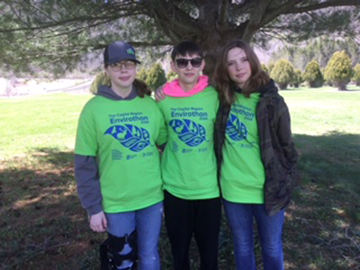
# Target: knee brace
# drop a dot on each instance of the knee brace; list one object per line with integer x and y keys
{"x": 119, "y": 253}
{"x": 122, "y": 251}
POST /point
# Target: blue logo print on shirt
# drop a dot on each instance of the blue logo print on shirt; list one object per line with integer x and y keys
{"x": 235, "y": 129}
{"x": 132, "y": 137}
{"x": 189, "y": 132}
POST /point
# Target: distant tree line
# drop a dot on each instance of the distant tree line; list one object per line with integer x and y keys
{"x": 323, "y": 60}
{"x": 338, "y": 72}
{"x": 337, "y": 69}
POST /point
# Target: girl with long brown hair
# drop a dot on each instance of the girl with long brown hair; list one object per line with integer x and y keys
{"x": 256, "y": 155}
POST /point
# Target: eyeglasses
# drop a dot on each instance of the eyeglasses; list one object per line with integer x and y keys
{"x": 183, "y": 63}
{"x": 129, "y": 65}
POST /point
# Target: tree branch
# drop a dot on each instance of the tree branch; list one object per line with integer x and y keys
{"x": 64, "y": 22}
{"x": 323, "y": 5}
{"x": 275, "y": 11}
{"x": 106, "y": 13}
{"x": 254, "y": 23}
{"x": 172, "y": 20}
{"x": 224, "y": 5}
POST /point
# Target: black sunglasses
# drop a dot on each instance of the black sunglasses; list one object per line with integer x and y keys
{"x": 183, "y": 63}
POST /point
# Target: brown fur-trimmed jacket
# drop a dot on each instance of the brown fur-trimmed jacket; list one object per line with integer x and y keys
{"x": 278, "y": 152}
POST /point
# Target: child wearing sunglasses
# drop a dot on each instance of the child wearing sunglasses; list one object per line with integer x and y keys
{"x": 192, "y": 203}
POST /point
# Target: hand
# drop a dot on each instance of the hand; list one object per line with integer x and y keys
{"x": 159, "y": 94}
{"x": 98, "y": 222}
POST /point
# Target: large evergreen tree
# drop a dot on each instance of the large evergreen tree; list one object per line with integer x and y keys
{"x": 142, "y": 74}
{"x": 55, "y": 34}
{"x": 312, "y": 74}
{"x": 283, "y": 73}
{"x": 172, "y": 75}
{"x": 264, "y": 68}
{"x": 339, "y": 70}
{"x": 270, "y": 67}
{"x": 100, "y": 79}
{"x": 298, "y": 79}
{"x": 155, "y": 77}
{"x": 356, "y": 77}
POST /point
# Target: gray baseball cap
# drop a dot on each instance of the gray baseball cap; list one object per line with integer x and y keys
{"x": 119, "y": 51}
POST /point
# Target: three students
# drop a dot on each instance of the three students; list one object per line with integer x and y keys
{"x": 118, "y": 170}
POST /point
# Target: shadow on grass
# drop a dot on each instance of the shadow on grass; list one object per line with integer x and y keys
{"x": 350, "y": 90}
{"x": 322, "y": 229}
{"x": 54, "y": 156}
{"x": 43, "y": 226}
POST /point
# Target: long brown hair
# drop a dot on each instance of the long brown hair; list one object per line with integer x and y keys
{"x": 225, "y": 85}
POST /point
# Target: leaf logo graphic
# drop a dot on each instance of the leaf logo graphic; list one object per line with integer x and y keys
{"x": 130, "y": 51}
{"x": 235, "y": 129}
{"x": 189, "y": 132}
{"x": 132, "y": 137}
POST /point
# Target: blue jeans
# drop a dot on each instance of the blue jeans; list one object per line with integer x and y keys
{"x": 147, "y": 223}
{"x": 240, "y": 218}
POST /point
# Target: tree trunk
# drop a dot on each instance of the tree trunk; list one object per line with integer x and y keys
{"x": 342, "y": 86}
{"x": 315, "y": 84}
{"x": 282, "y": 86}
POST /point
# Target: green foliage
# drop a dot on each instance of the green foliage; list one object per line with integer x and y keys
{"x": 100, "y": 79}
{"x": 171, "y": 75}
{"x": 264, "y": 68}
{"x": 155, "y": 77}
{"x": 339, "y": 70}
{"x": 313, "y": 75}
{"x": 320, "y": 49}
{"x": 356, "y": 76}
{"x": 142, "y": 74}
{"x": 55, "y": 35}
{"x": 297, "y": 78}
{"x": 283, "y": 73}
{"x": 270, "y": 67}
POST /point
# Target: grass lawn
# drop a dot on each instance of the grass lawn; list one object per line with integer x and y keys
{"x": 42, "y": 224}
{"x": 36, "y": 122}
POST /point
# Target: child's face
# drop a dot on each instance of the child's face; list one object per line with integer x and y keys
{"x": 188, "y": 68}
{"x": 122, "y": 74}
{"x": 239, "y": 69}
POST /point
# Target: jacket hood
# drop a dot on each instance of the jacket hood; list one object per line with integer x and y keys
{"x": 269, "y": 89}
{"x": 107, "y": 92}
{"x": 173, "y": 88}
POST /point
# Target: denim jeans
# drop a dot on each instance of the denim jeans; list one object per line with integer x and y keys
{"x": 147, "y": 223}
{"x": 240, "y": 218}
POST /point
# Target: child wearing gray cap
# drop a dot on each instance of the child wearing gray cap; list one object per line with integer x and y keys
{"x": 117, "y": 164}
